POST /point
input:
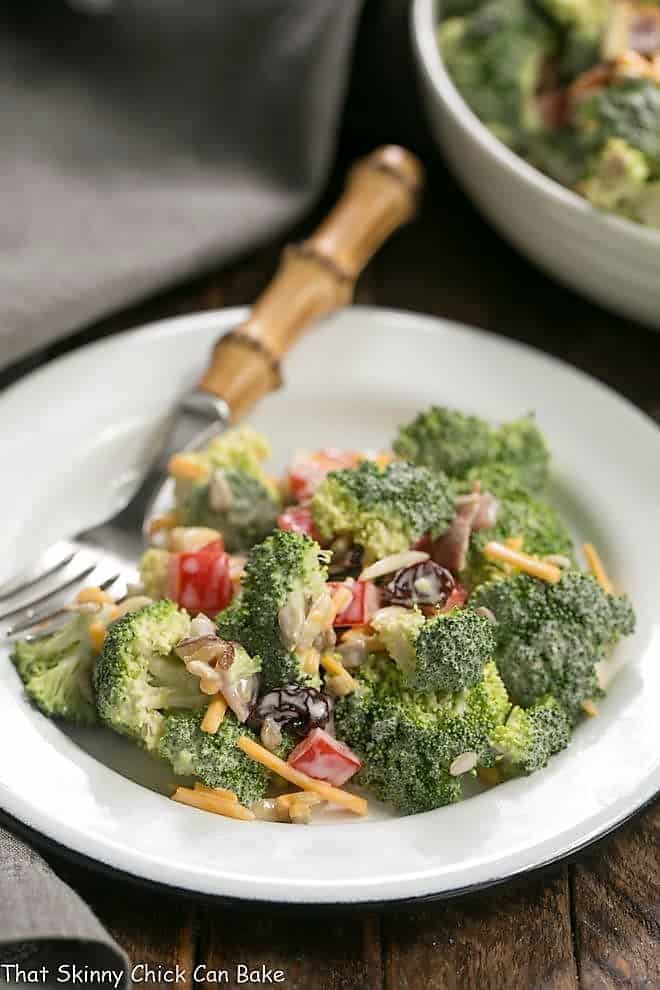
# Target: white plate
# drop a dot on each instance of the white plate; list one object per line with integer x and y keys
{"x": 350, "y": 382}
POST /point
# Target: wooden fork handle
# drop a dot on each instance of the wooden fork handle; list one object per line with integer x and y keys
{"x": 315, "y": 277}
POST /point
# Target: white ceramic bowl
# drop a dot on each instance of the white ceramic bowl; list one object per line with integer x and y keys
{"x": 613, "y": 261}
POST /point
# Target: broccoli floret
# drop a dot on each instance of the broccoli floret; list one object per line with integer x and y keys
{"x": 154, "y": 569}
{"x": 521, "y": 446}
{"x": 237, "y": 504}
{"x": 234, "y": 495}
{"x": 214, "y": 759}
{"x": 519, "y": 514}
{"x": 628, "y": 109}
{"x": 242, "y": 449}
{"x": 283, "y": 579}
{"x": 530, "y": 737}
{"x": 383, "y": 510}
{"x": 616, "y": 178}
{"x": 587, "y": 18}
{"x": 138, "y": 677}
{"x": 57, "y": 671}
{"x": 407, "y": 742}
{"x": 446, "y": 653}
{"x": 448, "y": 440}
{"x": 495, "y": 57}
{"x": 551, "y": 636}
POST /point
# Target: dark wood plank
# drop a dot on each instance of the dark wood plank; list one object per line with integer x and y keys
{"x": 616, "y": 909}
{"x": 156, "y": 931}
{"x": 319, "y": 952}
{"x": 515, "y": 937}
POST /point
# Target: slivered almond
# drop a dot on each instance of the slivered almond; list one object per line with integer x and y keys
{"x": 393, "y": 562}
{"x": 589, "y": 708}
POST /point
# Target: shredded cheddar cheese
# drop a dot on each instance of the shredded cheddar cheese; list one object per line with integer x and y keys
{"x": 326, "y": 791}
{"x": 596, "y": 567}
{"x": 97, "y": 633}
{"x": 214, "y": 715}
{"x": 219, "y": 791}
{"x": 95, "y": 596}
{"x": 529, "y": 565}
{"x": 167, "y": 520}
{"x": 334, "y": 666}
{"x": 185, "y": 468}
{"x": 284, "y": 801}
{"x": 209, "y": 801}
{"x": 514, "y": 542}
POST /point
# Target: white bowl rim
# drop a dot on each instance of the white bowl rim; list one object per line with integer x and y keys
{"x": 423, "y": 20}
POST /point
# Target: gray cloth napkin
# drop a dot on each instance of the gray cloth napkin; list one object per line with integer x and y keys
{"x": 43, "y": 923}
{"x": 160, "y": 137}
{"x": 135, "y": 148}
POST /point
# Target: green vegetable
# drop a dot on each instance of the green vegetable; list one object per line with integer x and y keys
{"x": 382, "y": 510}
{"x": 242, "y": 449}
{"x": 283, "y": 577}
{"x": 214, "y": 759}
{"x": 530, "y": 737}
{"x": 237, "y": 497}
{"x": 446, "y": 653}
{"x": 407, "y": 742}
{"x": 617, "y": 177}
{"x": 519, "y": 514}
{"x": 521, "y": 446}
{"x": 495, "y": 56}
{"x": 245, "y": 516}
{"x": 448, "y": 440}
{"x": 550, "y": 637}
{"x": 628, "y": 109}
{"x": 138, "y": 677}
{"x": 57, "y": 670}
{"x": 154, "y": 568}
{"x": 582, "y": 24}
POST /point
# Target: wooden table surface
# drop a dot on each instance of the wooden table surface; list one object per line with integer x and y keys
{"x": 592, "y": 924}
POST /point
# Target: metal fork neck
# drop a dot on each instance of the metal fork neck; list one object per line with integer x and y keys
{"x": 207, "y": 406}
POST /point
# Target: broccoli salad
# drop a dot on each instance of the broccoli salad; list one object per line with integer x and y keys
{"x": 407, "y": 620}
{"x": 571, "y": 85}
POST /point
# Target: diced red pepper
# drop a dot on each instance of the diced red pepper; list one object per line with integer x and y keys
{"x": 309, "y": 469}
{"x": 323, "y": 757}
{"x": 297, "y": 519}
{"x": 456, "y": 599}
{"x": 364, "y": 603}
{"x": 200, "y": 580}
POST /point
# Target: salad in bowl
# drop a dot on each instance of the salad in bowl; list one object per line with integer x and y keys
{"x": 402, "y": 622}
{"x": 573, "y": 86}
